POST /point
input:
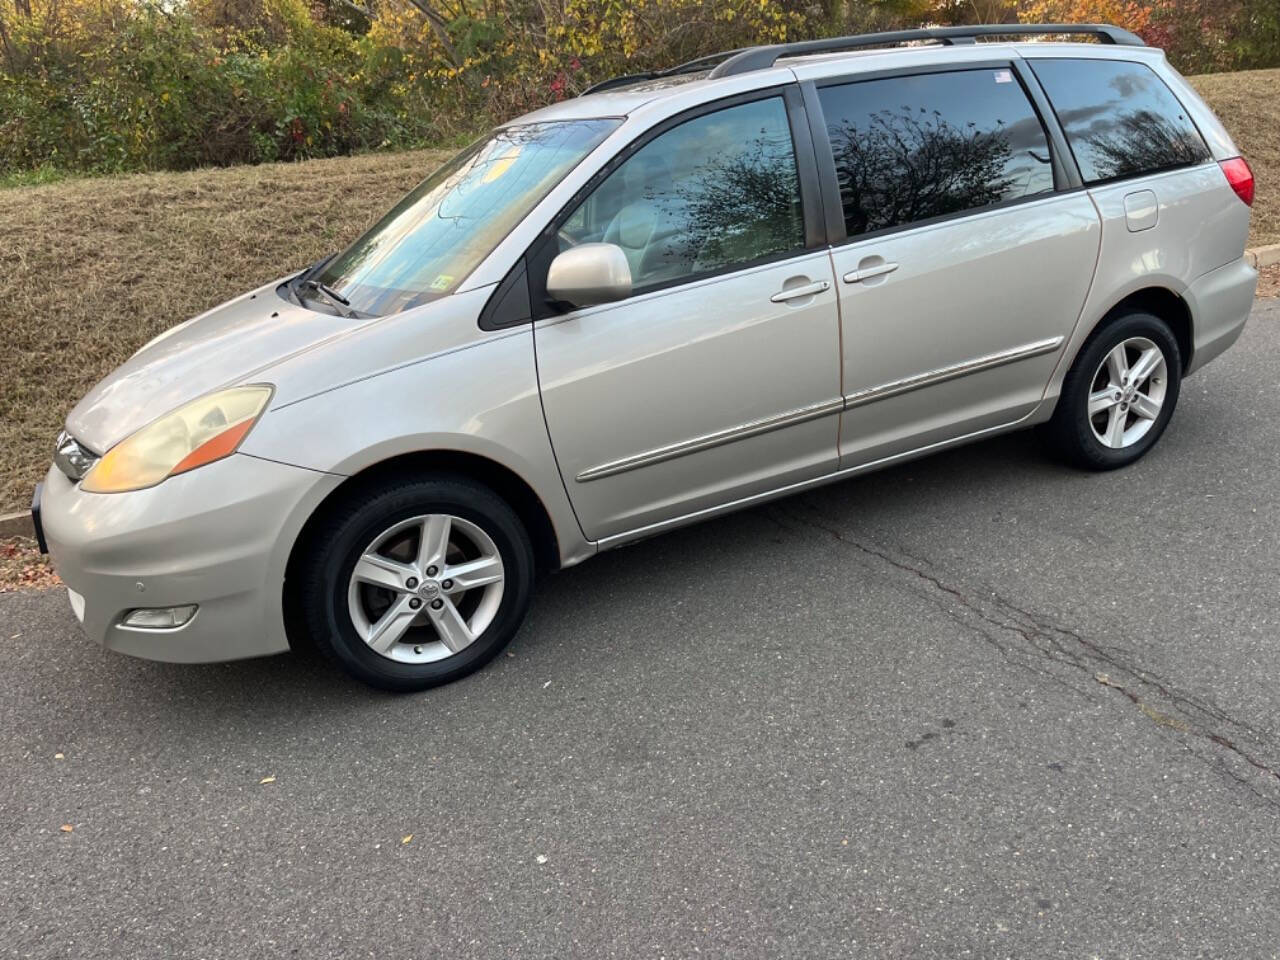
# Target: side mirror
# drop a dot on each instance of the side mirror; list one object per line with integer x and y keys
{"x": 589, "y": 274}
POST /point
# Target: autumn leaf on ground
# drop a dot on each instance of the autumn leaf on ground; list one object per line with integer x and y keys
{"x": 267, "y": 780}
{"x": 66, "y": 828}
{"x": 406, "y": 839}
{"x": 23, "y": 567}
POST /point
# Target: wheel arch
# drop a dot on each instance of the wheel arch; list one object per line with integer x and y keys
{"x": 1162, "y": 302}
{"x": 501, "y": 479}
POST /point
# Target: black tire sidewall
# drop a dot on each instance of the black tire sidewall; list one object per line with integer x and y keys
{"x": 1071, "y": 420}
{"x": 324, "y": 592}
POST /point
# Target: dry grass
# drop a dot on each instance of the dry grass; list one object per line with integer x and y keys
{"x": 1249, "y": 105}
{"x": 1269, "y": 281}
{"x": 92, "y": 269}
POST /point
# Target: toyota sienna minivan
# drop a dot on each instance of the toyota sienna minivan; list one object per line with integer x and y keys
{"x": 676, "y": 295}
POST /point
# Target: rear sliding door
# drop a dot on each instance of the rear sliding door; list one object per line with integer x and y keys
{"x": 963, "y": 270}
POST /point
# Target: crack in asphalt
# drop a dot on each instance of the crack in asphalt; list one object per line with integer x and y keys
{"x": 1156, "y": 698}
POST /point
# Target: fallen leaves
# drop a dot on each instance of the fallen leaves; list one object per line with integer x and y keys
{"x": 405, "y": 839}
{"x": 24, "y": 567}
{"x": 270, "y": 779}
{"x": 66, "y": 828}
{"x": 1269, "y": 281}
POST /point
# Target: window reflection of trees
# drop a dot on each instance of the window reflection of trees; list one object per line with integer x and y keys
{"x": 736, "y": 207}
{"x": 1140, "y": 141}
{"x": 910, "y": 164}
{"x": 705, "y": 196}
{"x": 1120, "y": 118}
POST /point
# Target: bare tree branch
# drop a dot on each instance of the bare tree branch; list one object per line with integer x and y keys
{"x": 441, "y": 29}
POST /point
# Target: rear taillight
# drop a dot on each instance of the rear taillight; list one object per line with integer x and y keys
{"x": 1240, "y": 177}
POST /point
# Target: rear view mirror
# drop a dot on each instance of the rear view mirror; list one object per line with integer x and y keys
{"x": 589, "y": 274}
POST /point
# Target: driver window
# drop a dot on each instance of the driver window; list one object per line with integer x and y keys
{"x": 716, "y": 191}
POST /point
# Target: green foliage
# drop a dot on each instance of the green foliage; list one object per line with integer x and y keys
{"x": 1202, "y": 36}
{"x": 163, "y": 91}
{"x": 94, "y": 86}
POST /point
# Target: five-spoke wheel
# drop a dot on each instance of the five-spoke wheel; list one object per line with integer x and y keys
{"x": 410, "y": 583}
{"x": 425, "y": 588}
{"x": 1119, "y": 393}
{"x": 1127, "y": 393}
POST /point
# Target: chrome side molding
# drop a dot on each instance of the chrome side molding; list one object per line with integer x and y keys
{"x": 895, "y": 387}
{"x": 756, "y": 427}
{"x": 752, "y": 429}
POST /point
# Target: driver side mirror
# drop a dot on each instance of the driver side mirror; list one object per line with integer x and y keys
{"x": 590, "y": 274}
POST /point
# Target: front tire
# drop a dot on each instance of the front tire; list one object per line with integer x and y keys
{"x": 416, "y": 582}
{"x": 1119, "y": 394}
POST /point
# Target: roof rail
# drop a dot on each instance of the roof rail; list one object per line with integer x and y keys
{"x": 761, "y": 58}
{"x": 733, "y": 62}
{"x": 691, "y": 66}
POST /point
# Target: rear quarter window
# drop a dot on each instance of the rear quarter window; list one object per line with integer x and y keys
{"x": 1120, "y": 118}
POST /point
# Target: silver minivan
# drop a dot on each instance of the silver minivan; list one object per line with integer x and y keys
{"x": 677, "y": 295}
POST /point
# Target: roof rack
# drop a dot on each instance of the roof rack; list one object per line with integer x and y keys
{"x": 691, "y": 66}
{"x": 734, "y": 62}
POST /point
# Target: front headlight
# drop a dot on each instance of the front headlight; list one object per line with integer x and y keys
{"x": 201, "y": 432}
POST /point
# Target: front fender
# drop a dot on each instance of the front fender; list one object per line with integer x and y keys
{"x": 481, "y": 400}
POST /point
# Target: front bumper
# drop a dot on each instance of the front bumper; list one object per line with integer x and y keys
{"x": 218, "y": 537}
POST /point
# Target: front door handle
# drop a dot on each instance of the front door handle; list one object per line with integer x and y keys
{"x": 795, "y": 293}
{"x": 866, "y": 273}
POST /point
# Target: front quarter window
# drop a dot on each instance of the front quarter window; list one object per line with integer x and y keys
{"x": 433, "y": 238}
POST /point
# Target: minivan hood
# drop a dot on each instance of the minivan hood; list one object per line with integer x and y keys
{"x": 229, "y": 344}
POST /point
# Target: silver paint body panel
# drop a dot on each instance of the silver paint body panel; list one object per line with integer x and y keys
{"x": 961, "y": 294}
{"x": 681, "y": 368}
{"x": 666, "y": 408}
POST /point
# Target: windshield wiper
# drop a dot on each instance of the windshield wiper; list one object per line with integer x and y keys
{"x": 303, "y": 283}
{"x": 336, "y": 300}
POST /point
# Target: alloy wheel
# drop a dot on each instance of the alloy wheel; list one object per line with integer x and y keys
{"x": 425, "y": 588}
{"x": 1127, "y": 393}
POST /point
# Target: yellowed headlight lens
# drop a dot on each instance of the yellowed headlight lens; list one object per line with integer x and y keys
{"x": 201, "y": 432}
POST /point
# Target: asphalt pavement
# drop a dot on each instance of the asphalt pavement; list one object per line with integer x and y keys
{"x": 979, "y": 705}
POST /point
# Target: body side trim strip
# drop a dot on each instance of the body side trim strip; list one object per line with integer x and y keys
{"x": 943, "y": 374}
{"x": 707, "y": 513}
{"x": 825, "y": 408}
{"x": 753, "y": 429}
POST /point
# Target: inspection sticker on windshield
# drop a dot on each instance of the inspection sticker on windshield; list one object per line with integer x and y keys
{"x": 442, "y": 282}
{"x": 1004, "y": 76}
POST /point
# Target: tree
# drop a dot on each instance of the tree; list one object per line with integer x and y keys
{"x": 1130, "y": 14}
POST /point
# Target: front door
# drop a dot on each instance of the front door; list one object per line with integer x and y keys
{"x": 719, "y": 377}
{"x": 964, "y": 272}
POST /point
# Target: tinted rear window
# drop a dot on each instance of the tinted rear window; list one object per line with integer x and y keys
{"x": 912, "y": 148}
{"x": 1120, "y": 118}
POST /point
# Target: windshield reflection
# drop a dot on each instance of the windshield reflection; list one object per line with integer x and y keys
{"x": 433, "y": 238}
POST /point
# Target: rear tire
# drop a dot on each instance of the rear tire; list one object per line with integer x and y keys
{"x": 416, "y": 582}
{"x": 1119, "y": 394}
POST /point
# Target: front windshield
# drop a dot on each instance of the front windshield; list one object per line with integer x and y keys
{"x": 451, "y": 221}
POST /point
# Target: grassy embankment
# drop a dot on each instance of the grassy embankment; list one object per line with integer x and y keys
{"x": 92, "y": 268}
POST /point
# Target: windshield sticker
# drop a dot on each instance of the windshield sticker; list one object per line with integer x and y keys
{"x": 1004, "y": 76}
{"x": 442, "y": 282}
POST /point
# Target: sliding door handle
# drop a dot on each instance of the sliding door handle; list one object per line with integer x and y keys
{"x": 795, "y": 293}
{"x": 866, "y": 273}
